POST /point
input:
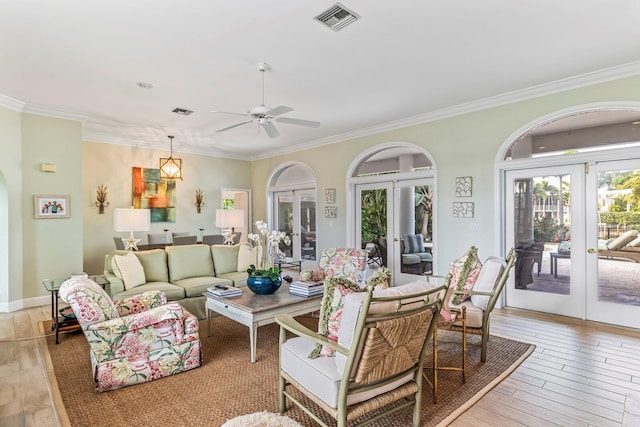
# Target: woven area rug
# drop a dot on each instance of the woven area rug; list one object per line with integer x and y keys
{"x": 228, "y": 385}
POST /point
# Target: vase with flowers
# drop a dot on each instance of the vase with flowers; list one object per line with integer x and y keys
{"x": 265, "y": 278}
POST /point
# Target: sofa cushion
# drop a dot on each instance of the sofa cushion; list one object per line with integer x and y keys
{"x": 225, "y": 258}
{"x": 187, "y": 261}
{"x": 171, "y": 291}
{"x": 246, "y": 257}
{"x": 196, "y": 286}
{"x": 239, "y": 278}
{"x": 154, "y": 263}
{"x": 129, "y": 269}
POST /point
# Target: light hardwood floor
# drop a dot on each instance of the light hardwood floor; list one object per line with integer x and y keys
{"x": 581, "y": 374}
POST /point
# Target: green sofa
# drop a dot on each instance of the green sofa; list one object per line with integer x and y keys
{"x": 182, "y": 272}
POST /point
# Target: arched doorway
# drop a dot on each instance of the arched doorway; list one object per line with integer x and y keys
{"x": 391, "y": 201}
{"x": 568, "y": 182}
{"x": 291, "y": 193}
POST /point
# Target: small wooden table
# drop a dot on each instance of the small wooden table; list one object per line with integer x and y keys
{"x": 256, "y": 310}
{"x": 61, "y": 323}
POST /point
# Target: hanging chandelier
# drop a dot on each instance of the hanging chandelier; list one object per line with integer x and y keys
{"x": 171, "y": 169}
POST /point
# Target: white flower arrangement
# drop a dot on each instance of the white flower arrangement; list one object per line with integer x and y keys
{"x": 268, "y": 242}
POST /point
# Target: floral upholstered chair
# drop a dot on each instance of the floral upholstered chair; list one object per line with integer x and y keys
{"x": 135, "y": 340}
{"x": 344, "y": 262}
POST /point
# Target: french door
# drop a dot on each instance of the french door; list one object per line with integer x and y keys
{"x": 544, "y": 215}
{"x": 613, "y": 261}
{"x": 295, "y": 214}
{"x": 564, "y": 222}
{"x": 385, "y": 211}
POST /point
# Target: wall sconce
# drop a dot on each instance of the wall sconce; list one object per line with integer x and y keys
{"x": 199, "y": 199}
{"x": 101, "y": 199}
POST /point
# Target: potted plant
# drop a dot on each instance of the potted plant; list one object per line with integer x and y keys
{"x": 265, "y": 278}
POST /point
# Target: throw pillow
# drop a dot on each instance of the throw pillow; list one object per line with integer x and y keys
{"x": 335, "y": 289}
{"x": 381, "y": 278}
{"x": 129, "y": 269}
{"x": 465, "y": 271}
{"x": 413, "y": 243}
{"x": 247, "y": 256}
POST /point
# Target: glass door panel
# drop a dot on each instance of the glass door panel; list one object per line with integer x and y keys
{"x": 412, "y": 216}
{"x": 614, "y": 247}
{"x": 543, "y": 209}
{"x": 295, "y": 214}
{"x": 386, "y": 211}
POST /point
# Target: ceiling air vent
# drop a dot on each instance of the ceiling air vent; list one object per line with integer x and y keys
{"x": 337, "y": 17}
{"x": 182, "y": 111}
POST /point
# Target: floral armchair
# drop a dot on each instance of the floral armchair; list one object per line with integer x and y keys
{"x": 139, "y": 339}
{"x": 344, "y": 262}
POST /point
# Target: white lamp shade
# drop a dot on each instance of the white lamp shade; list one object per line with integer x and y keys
{"x": 131, "y": 220}
{"x": 229, "y": 218}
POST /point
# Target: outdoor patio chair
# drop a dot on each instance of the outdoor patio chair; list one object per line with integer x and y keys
{"x": 483, "y": 297}
{"x": 378, "y": 358}
{"x": 616, "y": 248}
{"x": 135, "y": 340}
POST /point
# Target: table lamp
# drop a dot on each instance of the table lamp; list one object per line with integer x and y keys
{"x": 131, "y": 220}
{"x": 229, "y": 219}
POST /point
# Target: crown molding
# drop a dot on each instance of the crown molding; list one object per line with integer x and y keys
{"x": 582, "y": 80}
{"x": 11, "y": 104}
{"x": 53, "y": 113}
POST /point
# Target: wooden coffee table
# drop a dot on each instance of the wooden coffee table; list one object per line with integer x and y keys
{"x": 256, "y": 310}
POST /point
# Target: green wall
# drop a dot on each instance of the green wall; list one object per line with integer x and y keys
{"x": 30, "y": 250}
{"x": 463, "y": 145}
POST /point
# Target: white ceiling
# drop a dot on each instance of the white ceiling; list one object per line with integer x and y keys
{"x": 403, "y": 62}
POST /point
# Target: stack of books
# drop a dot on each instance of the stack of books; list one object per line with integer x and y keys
{"x": 306, "y": 289}
{"x": 224, "y": 291}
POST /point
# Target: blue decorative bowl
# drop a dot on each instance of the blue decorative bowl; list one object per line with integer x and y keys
{"x": 263, "y": 285}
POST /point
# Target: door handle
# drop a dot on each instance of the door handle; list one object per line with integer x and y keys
{"x": 395, "y": 239}
{"x": 592, "y": 251}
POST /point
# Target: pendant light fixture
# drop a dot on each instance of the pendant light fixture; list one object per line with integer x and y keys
{"x": 171, "y": 169}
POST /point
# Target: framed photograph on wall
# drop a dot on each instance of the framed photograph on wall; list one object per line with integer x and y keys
{"x": 51, "y": 206}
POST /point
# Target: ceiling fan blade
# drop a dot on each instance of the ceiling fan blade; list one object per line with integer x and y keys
{"x": 271, "y": 129}
{"x": 233, "y": 126}
{"x": 229, "y": 112}
{"x": 299, "y": 122}
{"x": 280, "y": 109}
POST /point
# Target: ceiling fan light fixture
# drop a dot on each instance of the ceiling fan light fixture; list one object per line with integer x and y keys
{"x": 170, "y": 168}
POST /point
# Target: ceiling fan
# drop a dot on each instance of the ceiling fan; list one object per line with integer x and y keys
{"x": 265, "y": 116}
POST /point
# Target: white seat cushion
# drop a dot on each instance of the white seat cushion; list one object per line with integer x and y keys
{"x": 474, "y": 314}
{"x": 320, "y": 375}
